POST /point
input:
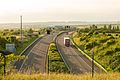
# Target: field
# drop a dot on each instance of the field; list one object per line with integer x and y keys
{"x": 53, "y": 76}
{"x": 105, "y": 43}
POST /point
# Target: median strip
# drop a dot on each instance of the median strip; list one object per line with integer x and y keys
{"x": 55, "y": 62}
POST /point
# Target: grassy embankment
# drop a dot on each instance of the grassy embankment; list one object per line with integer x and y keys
{"x": 110, "y": 76}
{"x": 106, "y": 48}
{"x": 26, "y": 44}
{"x": 55, "y": 62}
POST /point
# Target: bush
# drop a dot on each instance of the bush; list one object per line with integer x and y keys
{"x": 56, "y": 63}
{"x": 109, "y": 34}
{"x": 104, "y": 32}
{"x": 116, "y": 34}
{"x": 82, "y": 38}
{"x": 109, "y": 52}
{"x": 91, "y": 32}
{"x": 89, "y": 45}
{"x": 110, "y": 42}
{"x": 96, "y": 32}
{"x": 111, "y": 37}
{"x": 103, "y": 40}
{"x": 117, "y": 49}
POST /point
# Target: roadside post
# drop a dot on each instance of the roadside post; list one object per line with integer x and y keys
{"x": 93, "y": 60}
{"x": 4, "y": 54}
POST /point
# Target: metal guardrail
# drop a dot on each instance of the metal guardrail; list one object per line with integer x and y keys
{"x": 28, "y": 47}
{"x": 55, "y": 40}
{"x": 31, "y": 45}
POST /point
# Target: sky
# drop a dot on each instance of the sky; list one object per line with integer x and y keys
{"x": 59, "y": 10}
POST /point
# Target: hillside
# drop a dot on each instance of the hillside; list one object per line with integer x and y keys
{"x": 106, "y": 47}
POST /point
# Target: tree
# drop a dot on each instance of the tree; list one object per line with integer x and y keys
{"x": 110, "y": 27}
{"x": 117, "y": 27}
{"x": 105, "y": 27}
{"x": 113, "y": 28}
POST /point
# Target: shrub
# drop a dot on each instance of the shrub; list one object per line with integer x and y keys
{"x": 82, "y": 38}
{"x": 56, "y": 63}
{"x": 104, "y": 32}
{"x": 96, "y": 32}
{"x": 109, "y": 52}
{"x": 89, "y": 46}
{"x": 103, "y": 40}
{"x": 87, "y": 40}
{"x": 117, "y": 49}
{"x": 110, "y": 42}
{"x": 116, "y": 34}
{"x": 91, "y": 32}
{"x": 109, "y": 34}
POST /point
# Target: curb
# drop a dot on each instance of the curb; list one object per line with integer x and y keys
{"x": 100, "y": 66}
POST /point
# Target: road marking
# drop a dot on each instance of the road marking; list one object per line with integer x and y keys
{"x": 26, "y": 57}
{"x": 31, "y": 52}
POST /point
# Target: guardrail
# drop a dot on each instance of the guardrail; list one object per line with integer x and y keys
{"x": 55, "y": 40}
{"x": 31, "y": 44}
{"x": 100, "y": 66}
{"x": 28, "y": 47}
{"x": 47, "y": 52}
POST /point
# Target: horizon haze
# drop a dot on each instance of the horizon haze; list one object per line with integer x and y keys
{"x": 59, "y": 10}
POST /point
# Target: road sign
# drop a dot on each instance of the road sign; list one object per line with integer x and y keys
{"x": 11, "y": 48}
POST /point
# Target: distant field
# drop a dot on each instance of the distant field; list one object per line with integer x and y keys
{"x": 109, "y": 76}
{"x": 37, "y": 25}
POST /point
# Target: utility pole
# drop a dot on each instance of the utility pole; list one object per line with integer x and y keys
{"x": 4, "y": 64}
{"x": 93, "y": 60}
{"x": 21, "y": 31}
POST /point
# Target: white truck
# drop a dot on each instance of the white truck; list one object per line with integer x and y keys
{"x": 67, "y": 41}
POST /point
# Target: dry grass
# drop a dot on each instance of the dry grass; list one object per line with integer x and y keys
{"x": 110, "y": 76}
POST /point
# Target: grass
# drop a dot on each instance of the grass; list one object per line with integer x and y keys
{"x": 106, "y": 48}
{"x": 55, "y": 62}
{"x": 62, "y": 76}
{"x": 26, "y": 44}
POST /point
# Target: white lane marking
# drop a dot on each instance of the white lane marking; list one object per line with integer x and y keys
{"x": 26, "y": 58}
{"x": 29, "y": 54}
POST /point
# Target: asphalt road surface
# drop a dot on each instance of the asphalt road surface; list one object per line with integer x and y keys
{"x": 76, "y": 61}
{"x": 36, "y": 60}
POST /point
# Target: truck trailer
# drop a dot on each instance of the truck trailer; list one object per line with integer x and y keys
{"x": 67, "y": 41}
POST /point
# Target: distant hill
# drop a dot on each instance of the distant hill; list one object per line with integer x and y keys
{"x": 50, "y": 24}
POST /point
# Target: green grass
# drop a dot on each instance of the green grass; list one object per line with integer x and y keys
{"x": 26, "y": 44}
{"x": 62, "y": 76}
{"x": 106, "y": 48}
{"x": 55, "y": 62}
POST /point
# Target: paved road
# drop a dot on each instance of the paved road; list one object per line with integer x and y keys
{"x": 76, "y": 61}
{"x": 36, "y": 56}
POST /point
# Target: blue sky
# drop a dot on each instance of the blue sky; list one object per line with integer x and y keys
{"x": 59, "y": 10}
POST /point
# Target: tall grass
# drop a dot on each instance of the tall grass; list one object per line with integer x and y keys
{"x": 110, "y": 76}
